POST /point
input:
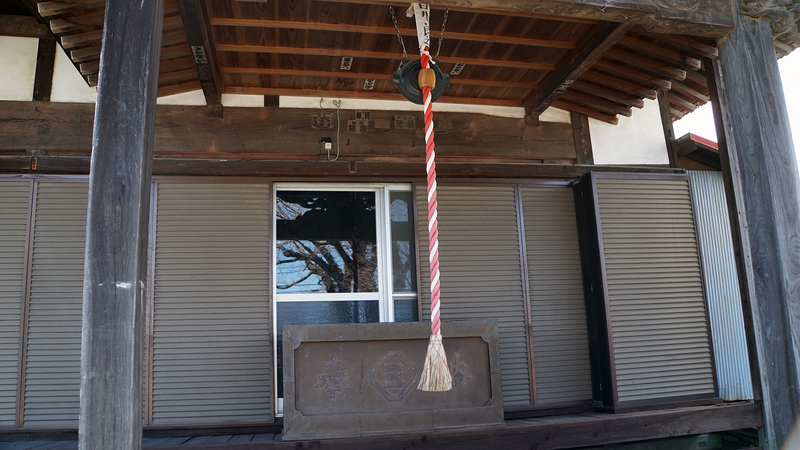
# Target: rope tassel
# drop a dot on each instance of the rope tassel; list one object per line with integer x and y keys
{"x": 435, "y": 373}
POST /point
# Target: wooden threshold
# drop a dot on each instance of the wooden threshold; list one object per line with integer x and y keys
{"x": 544, "y": 433}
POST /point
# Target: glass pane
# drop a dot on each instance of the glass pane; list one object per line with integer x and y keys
{"x": 405, "y": 310}
{"x": 326, "y": 242}
{"x": 301, "y": 313}
{"x": 404, "y": 258}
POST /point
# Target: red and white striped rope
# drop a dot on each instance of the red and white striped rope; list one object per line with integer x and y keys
{"x": 433, "y": 224}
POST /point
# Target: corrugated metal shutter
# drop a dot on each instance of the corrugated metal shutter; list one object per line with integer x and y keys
{"x": 558, "y": 311}
{"x": 53, "y": 363}
{"x": 722, "y": 286}
{"x": 655, "y": 290}
{"x": 481, "y": 271}
{"x": 14, "y": 199}
{"x": 211, "y": 335}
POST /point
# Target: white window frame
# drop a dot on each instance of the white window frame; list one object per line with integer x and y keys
{"x": 384, "y": 296}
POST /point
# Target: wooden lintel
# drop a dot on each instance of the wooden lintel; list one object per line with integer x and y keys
{"x": 344, "y": 168}
{"x": 23, "y": 26}
{"x": 198, "y": 32}
{"x": 580, "y": 61}
{"x": 65, "y": 128}
{"x": 712, "y": 18}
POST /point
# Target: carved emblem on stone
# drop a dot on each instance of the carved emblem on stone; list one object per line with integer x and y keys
{"x": 334, "y": 379}
{"x": 459, "y": 370}
{"x": 782, "y": 14}
{"x": 393, "y": 376}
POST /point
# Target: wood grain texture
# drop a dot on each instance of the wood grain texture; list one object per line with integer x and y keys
{"x": 583, "y": 139}
{"x": 544, "y": 433}
{"x": 62, "y": 128}
{"x": 587, "y": 54}
{"x": 763, "y": 186}
{"x": 23, "y": 26}
{"x": 713, "y": 18}
{"x": 666, "y": 126}
{"x": 117, "y": 227}
{"x": 45, "y": 62}
{"x": 194, "y": 15}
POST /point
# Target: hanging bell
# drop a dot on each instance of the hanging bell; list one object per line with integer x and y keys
{"x": 407, "y": 79}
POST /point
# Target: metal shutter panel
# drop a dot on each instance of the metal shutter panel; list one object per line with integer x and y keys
{"x": 558, "y": 311}
{"x": 480, "y": 271}
{"x": 53, "y": 362}
{"x": 722, "y": 286}
{"x": 655, "y": 290}
{"x": 14, "y": 198}
{"x": 211, "y": 329}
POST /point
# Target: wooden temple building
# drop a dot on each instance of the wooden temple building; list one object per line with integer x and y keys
{"x": 180, "y": 179}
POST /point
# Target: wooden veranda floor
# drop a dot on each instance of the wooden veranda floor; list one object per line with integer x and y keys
{"x": 553, "y": 432}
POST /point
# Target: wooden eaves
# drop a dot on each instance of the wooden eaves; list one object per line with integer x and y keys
{"x": 517, "y": 53}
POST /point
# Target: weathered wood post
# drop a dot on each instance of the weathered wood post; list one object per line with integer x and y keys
{"x": 116, "y": 231}
{"x": 763, "y": 192}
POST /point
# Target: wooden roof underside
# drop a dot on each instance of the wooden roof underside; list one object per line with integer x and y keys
{"x": 295, "y": 47}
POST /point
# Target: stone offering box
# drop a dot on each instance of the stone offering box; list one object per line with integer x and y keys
{"x": 352, "y": 380}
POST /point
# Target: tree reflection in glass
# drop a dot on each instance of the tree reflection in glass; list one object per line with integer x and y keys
{"x": 326, "y": 242}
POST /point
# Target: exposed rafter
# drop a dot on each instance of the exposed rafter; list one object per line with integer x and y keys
{"x": 198, "y": 33}
{"x": 570, "y": 70}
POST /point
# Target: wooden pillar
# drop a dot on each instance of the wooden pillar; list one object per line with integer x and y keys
{"x": 583, "y": 139}
{"x": 763, "y": 189}
{"x": 666, "y": 125}
{"x": 117, "y": 224}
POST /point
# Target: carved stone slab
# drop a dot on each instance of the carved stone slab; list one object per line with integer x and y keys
{"x": 350, "y": 380}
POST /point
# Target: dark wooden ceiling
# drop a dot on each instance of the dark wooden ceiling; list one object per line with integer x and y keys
{"x": 295, "y": 47}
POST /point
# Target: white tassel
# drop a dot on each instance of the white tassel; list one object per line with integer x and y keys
{"x": 436, "y": 373}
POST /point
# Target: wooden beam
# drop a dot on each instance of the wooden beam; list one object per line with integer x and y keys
{"x": 632, "y": 75}
{"x": 669, "y": 56}
{"x": 115, "y": 269}
{"x": 618, "y": 54}
{"x": 23, "y": 26}
{"x": 368, "y": 29}
{"x": 622, "y": 85}
{"x": 362, "y": 75}
{"x": 593, "y": 113}
{"x": 607, "y": 93}
{"x": 570, "y": 70}
{"x": 689, "y": 92}
{"x": 666, "y": 126}
{"x": 45, "y": 62}
{"x": 63, "y": 128}
{"x": 198, "y": 33}
{"x": 583, "y": 139}
{"x": 598, "y": 103}
{"x": 364, "y": 94}
{"x": 54, "y": 8}
{"x": 763, "y": 192}
{"x": 712, "y": 18}
{"x": 279, "y": 50}
{"x": 688, "y": 44}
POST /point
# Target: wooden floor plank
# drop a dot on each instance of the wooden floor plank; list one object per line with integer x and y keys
{"x": 217, "y": 440}
{"x": 152, "y": 442}
{"x": 171, "y": 442}
{"x": 543, "y": 433}
{"x": 241, "y": 439}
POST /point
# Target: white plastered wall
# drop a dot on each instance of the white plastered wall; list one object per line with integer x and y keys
{"x": 17, "y": 67}
{"x": 637, "y": 140}
{"x": 68, "y": 84}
